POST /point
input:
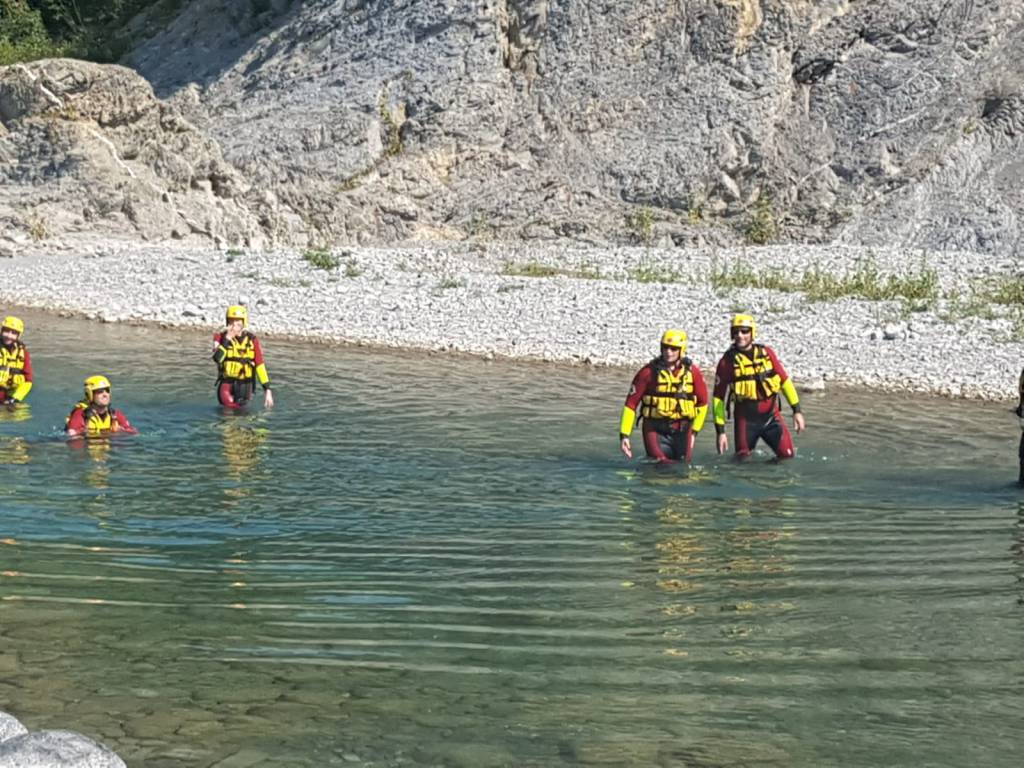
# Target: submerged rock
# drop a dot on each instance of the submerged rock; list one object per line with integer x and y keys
{"x": 10, "y": 727}
{"x": 50, "y": 749}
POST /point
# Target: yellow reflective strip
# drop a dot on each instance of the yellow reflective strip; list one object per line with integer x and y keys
{"x": 698, "y": 420}
{"x": 22, "y": 390}
{"x": 627, "y": 421}
{"x": 261, "y": 373}
{"x": 790, "y": 392}
{"x": 718, "y": 406}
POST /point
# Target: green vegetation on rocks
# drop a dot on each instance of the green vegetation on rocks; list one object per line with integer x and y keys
{"x": 321, "y": 258}
{"x": 95, "y": 30}
{"x": 23, "y": 36}
{"x": 865, "y": 281}
{"x": 537, "y": 269}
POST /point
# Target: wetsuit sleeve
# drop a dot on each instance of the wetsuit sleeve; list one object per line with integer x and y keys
{"x": 261, "y": 368}
{"x": 23, "y": 389}
{"x": 788, "y": 390}
{"x": 700, "y": 393}
{"x": 723, "y": 379}
{"x": 122, "y": 422}
{"x": 76, "y": 422}
{"x": 633, "y": 398}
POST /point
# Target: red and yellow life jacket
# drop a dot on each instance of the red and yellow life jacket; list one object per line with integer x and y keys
{"x": 672, "y": 397}
{"x": 754, "y": 376}
{"x": 239, "y": 363}
{"x": 95, "y": 424}
{"x": 12, "y": 365}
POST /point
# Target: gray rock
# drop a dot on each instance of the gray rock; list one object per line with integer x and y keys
{"x": 56, "y": 749}
{"x": 92, "y": 149}
{"x": 10, "y": 727}
{"x": 816, "y": 384}
{"x": 891, "y": 332}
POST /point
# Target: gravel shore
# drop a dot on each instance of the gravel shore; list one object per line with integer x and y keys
{"x": 604, "y": 306}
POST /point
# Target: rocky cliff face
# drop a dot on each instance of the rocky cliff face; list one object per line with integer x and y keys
{"x": 714, "y": 121}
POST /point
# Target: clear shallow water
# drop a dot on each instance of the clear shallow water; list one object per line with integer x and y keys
{"x": 436, "y": 561}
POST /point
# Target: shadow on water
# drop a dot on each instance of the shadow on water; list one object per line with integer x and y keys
{"x": 396, "y": 567}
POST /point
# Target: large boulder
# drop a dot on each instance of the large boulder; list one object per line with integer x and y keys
{"x": 88, "y": 147}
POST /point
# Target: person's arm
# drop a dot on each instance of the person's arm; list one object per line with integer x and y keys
{"x": 700, "y": 393}
{"x": 123, "y": 425}
{"x": 76, "y": 423}
{"x": 788, "y": 391}
{"x": 723, "y": 379}
{"x": 261, "y": 373}
{"x": 628, "y": 419}
{"x": 20, "y": 391}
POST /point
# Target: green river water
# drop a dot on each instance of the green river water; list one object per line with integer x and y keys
{"x": 439, "y": 561}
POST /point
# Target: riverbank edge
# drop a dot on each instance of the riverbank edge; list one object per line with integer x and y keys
{"x": 452, "y": 299}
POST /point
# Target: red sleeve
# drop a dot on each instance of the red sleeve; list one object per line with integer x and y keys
{"x": 723, "y": 377}
{"x": 77, "y": 421}
{"x": 122, "y": 422}
{"x": 700, "y": 389}
{"x": 777, "y": 365}
{"x": 257, "y": 352}
{"x": 638, "y": 389}
{"x": 28, "y": 366}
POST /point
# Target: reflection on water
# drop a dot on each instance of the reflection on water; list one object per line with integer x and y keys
{"x": 14, "y": 450}
{"x": 14, "y": 413}
{"x": 428, "y": 576}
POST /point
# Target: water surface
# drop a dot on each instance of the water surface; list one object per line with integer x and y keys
{"x": 419, "y": 560}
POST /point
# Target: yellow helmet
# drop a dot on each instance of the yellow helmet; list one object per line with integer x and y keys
{"x": 14, "y": 323}
{"x": 237, "y": 312}
{"x": 744, "y": 321}
{"x": 93, "y": 383}
{"x": 674, "y": 337}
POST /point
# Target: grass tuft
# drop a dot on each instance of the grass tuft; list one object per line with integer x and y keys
{"x": 536, "y": 269}
{"x": 640, "y": 223}
{"x": 648, "y": 274}
{"x": 866, "y": 281}
{"x": 321, "y": 258}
